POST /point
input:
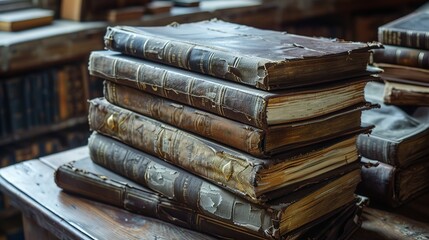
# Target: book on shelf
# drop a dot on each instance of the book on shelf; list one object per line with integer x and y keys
{"x": 406, "y": 94}
{"x": 125, "y": 14}
{"x": 256, "y": 179}
{"x": 90, "y": 10}
{"x": 255, "y": 141}
{"x": 158, "y": 7}
{"x": 398, "y": 138}
{"x": 260, "y": 58}
{"x": 189, "y": 201}
{"x": 25, "y": 19}
{"x": 393, "y": 185}
{"x": 408, "y": 31}
{"x": 60, "y": 42}
{"x": 404, "y": 56}
{"x": 238, "y": 102}
{"x": 404, "y": 74}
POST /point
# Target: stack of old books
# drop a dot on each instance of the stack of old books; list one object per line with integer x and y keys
{"x": 226, "y": 129}
{"x": 400, "y": 138}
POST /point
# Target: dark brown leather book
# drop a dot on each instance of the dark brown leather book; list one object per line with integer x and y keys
{"x": 404, "y": 56}
{"x": 25, "y": 19}
{"x": 398, "y": 139}
{"x": 234, "y": 101}
{"x": 402, "y": 94}
{"x": 404, "y": 74}
{"x": 260, "y": 58}
{"x": 408, "y": 31}
{"x": 392, "y": 185}
{"x": 60, "y": 42}
{"x": 191, "y": 202}
{"x": 257, "y": 142}
{"x": 254, "y": 178}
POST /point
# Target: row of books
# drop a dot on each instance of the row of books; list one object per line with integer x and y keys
{"x": 396, "y": 153}
{"x": 42, "y": 98}
{"x": 255, "y": 137}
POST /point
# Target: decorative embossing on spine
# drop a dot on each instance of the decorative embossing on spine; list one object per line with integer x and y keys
{"x": 176, "y": 184}
{"x": 212, "y": 61}
{"x": 213, "y": 97}
{"x": 175, "y": 146}
{"x": 378, "y": 149}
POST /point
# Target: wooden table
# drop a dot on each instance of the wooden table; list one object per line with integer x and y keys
{"x": 49, "y": 213}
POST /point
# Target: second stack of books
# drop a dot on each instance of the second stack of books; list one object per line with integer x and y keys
{"x": 254, "y": 137}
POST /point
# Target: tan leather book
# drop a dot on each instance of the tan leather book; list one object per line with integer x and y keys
{"x": 172, "y": 194}
{"x": 255, "y": 141}
{"x": 238, "y": 102}
{"x": 263, "y": 59}
{"x": 25, "y": 19}
{"x": 256, "y": 179}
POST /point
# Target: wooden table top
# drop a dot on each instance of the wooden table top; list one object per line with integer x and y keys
{"x": 31, "y": 187}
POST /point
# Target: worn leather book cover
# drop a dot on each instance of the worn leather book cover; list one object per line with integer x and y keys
{"x": 408, "y": 31}
{"x": 254, "y": 178}
{"x": 231, "y": 100}
{"x": 402, "y": 94}
{"x": 398, "y": 139}
{"x": 392, "y": 185}
{"x": 255, "y": 141}
{"x": 201, "y": 204}
{"x": 260, "y": 58}
{"x": 60, "y": 42}
{"x": 25, "y": 19}
{"x": 411, "y": 57}
{"x": 404, "y": 74}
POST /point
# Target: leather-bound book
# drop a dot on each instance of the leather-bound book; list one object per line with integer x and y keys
{"x": 260, "y": 58}
{"x": 256, "y": 179}
{"x": 57, "y": 43}
{"x": 408, "y": 31}
{"x": 189, "y": 201}
{"x": 404, "y": 74}
{"x": 255, "y": 141}
{"x": 25, "y": 19}
{"x": 398, "y": 139}
{"x": 391, "y": 185}
{"x": 231, "y": 100}
{"x": 405, "y": 94}
{"x": 404, "y": 56}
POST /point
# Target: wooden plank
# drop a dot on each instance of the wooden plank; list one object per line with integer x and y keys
{"x": 69, "y": 217}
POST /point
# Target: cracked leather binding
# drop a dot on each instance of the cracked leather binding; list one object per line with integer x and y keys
{"x": 189, "y": 201}
{"x": 260, "y": 58}
{"x": 256, "y": 179}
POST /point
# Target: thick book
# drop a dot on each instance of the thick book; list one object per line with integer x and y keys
{"x": 392, "y": 185}
{"x": 189, "y": 201}
{"x": 254, "y": 178}
{"x": 404, "y": 74}
{"x": 411, "y": 57}
{"x": 402, "y": 94}
{"x": 255, "y": 141}
{"x": 408, "y": 31}
{"x": 231, "y": 100}
{"x": 57, "y": 43}
{"x": 398, "y": 139}
{"x": 260, "y": 58}
{"x": 25, "y": 19}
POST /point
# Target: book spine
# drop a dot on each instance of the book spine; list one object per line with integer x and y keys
{"x": 378, "y": 183}
{"x": 408, "y": 38}
{"x": 210, "y": 61}
{"x": 202, "y": 199}
{"x": 15, "y": 100}
{"x": 221, "y": 165}
{"x": 223, "y": 130}
{"x": 402, "y": 56}
{"x": 217, "y": 98}
{"x": 379, "y": 149}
